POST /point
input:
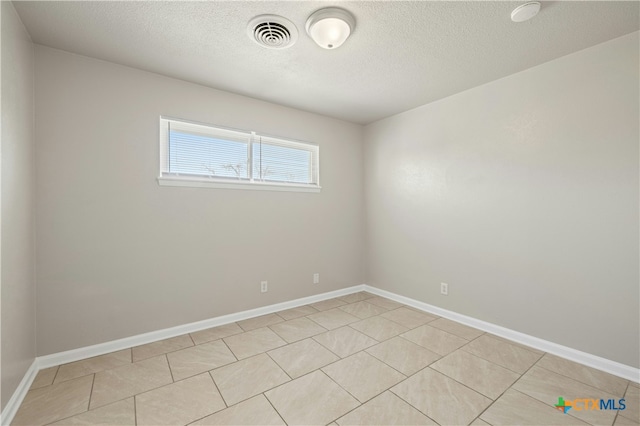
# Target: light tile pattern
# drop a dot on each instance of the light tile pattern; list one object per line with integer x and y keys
{"x": 247, "y": 378}
{"x": 385, "y": 303}
{"x": 599, "y": 379}
{"x": 297, "y": 329}
{"x": 547, "y": 386}
{"x": 513, "y": 357}
{"x": 121, "y": 413}
{"x": 162, "y": 347}
{"x": 356, "y": 297}
{"x": 179, "y": 403}
{"x": 325, "y": 305}
{"x": 298, "y": 312}
{"x": 253, "y": 342}
{"x": 363, "y": 376}
{"x": 632, "y": 397}
{"x": 198, "y": 359}
{"x": 379, "y": 328}
{"x": 93, "y": 365}
{"x": 254, "y": 411}
{"x": 310, "y": 400}
{"x": 516, "y": 408}
{"x": 403, "y": 355}
{"x": 55, "y": 402}
{"x": 511, "y": 342}
{"x": 333, "y": 318}
{"x": 379, "y": 363}
{"x": 44, "y": 378}
{"x": 344, "y": 341}
{"x": 409, "y": 317}
{"x": 434, "y": 339}
{"x": 129, "y": 380}
{"x": 624, "y": 421}
{"x": 488, "y": 378}
{"x": 385, "y": 409}
{"x": 456, "y": 328}
{"x": 259, "y": 322}
{"x": 441, "y": 398}
{"x": 363, "y": 309}
{"x": 302, "y": 357}
{"x": 215, "y": 333}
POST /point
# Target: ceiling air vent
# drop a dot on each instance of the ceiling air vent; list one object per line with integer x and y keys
{"x": 272, "y": 31}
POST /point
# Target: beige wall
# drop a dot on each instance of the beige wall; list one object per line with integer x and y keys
{"x": 522, "y": 195}
{"x": 119, "y": 255}
{"x": 18, "y": 175}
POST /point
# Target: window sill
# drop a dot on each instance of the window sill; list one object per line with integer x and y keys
{"x": 254, "y": 186}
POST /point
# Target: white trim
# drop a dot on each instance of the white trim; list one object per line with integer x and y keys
{"x": 153, "y": 336}
{"x": 603, "y": 364}
{"x": 10, "y": 410}
{"x": 255, "y": 185}
{"x": 599, "y": 363}
{"x": 46, "y": 361}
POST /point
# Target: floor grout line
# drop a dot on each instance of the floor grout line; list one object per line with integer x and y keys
{"x": 93, "y": 382}
{"x": 464, "y": 347}
{"x": 535, "y": 398}
{"x": 264, "y": 394}
{"x": 228, "y": 347}
{"x": 411, "y": 405}
{"x": 482, "y": 357}
{"x": 226, "y": 404}
{"x": 166, "y": 357}
{"x": 55, "y": 375}
{"x": 584, "y": 383}
{"x": 135, "y": 410}
{"x": 279, "y": 366}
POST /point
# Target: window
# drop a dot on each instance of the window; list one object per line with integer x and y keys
{"x": 200, "y": 155}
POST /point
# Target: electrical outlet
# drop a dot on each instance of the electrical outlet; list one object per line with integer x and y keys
{"x": 316, "y": 278}
{"x": 264, "y": 286}
{"x": 444, "y": 289}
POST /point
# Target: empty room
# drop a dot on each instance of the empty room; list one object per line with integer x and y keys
{"x": 320, "y": 213}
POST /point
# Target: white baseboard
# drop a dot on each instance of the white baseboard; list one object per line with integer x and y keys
{"x": 46, "y": 361}
{"x": 6, "y": 417}
{"x": 10, "y": 410}
{"x": 603, "y": 364}
{"x": 141, "y": 339}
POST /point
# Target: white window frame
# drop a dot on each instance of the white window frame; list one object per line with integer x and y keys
{"x": 166, "y": 178}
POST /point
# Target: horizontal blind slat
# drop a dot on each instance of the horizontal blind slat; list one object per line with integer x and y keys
{"x": 210, "y": 152}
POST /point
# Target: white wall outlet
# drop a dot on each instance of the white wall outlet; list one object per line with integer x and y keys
{"x": 264, "y": 286}
{"x": 444, "y": 289}
{"x": 316, "y": 278}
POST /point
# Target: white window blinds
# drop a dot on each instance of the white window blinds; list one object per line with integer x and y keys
{"x": 201, "y": 155}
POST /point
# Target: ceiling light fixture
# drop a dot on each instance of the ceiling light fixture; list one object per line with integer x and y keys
{"x": 525, "y": 11}
{"x": 330, "y": 27}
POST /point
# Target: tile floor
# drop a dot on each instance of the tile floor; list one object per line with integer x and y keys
{"x": 358, "y": 359}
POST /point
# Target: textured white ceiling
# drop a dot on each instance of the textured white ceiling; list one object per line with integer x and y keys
{"x": 401, "y": 55}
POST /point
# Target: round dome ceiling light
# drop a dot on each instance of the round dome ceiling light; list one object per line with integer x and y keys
{"x": 330, "y": 27}
{"x": 525, "y": 11}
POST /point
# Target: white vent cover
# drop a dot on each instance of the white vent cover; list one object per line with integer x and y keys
{"x": 272, "y": 31}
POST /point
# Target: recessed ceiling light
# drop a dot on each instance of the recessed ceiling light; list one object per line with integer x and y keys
{"x": 330, "y": 27}
{"x": 525, "y": 12}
